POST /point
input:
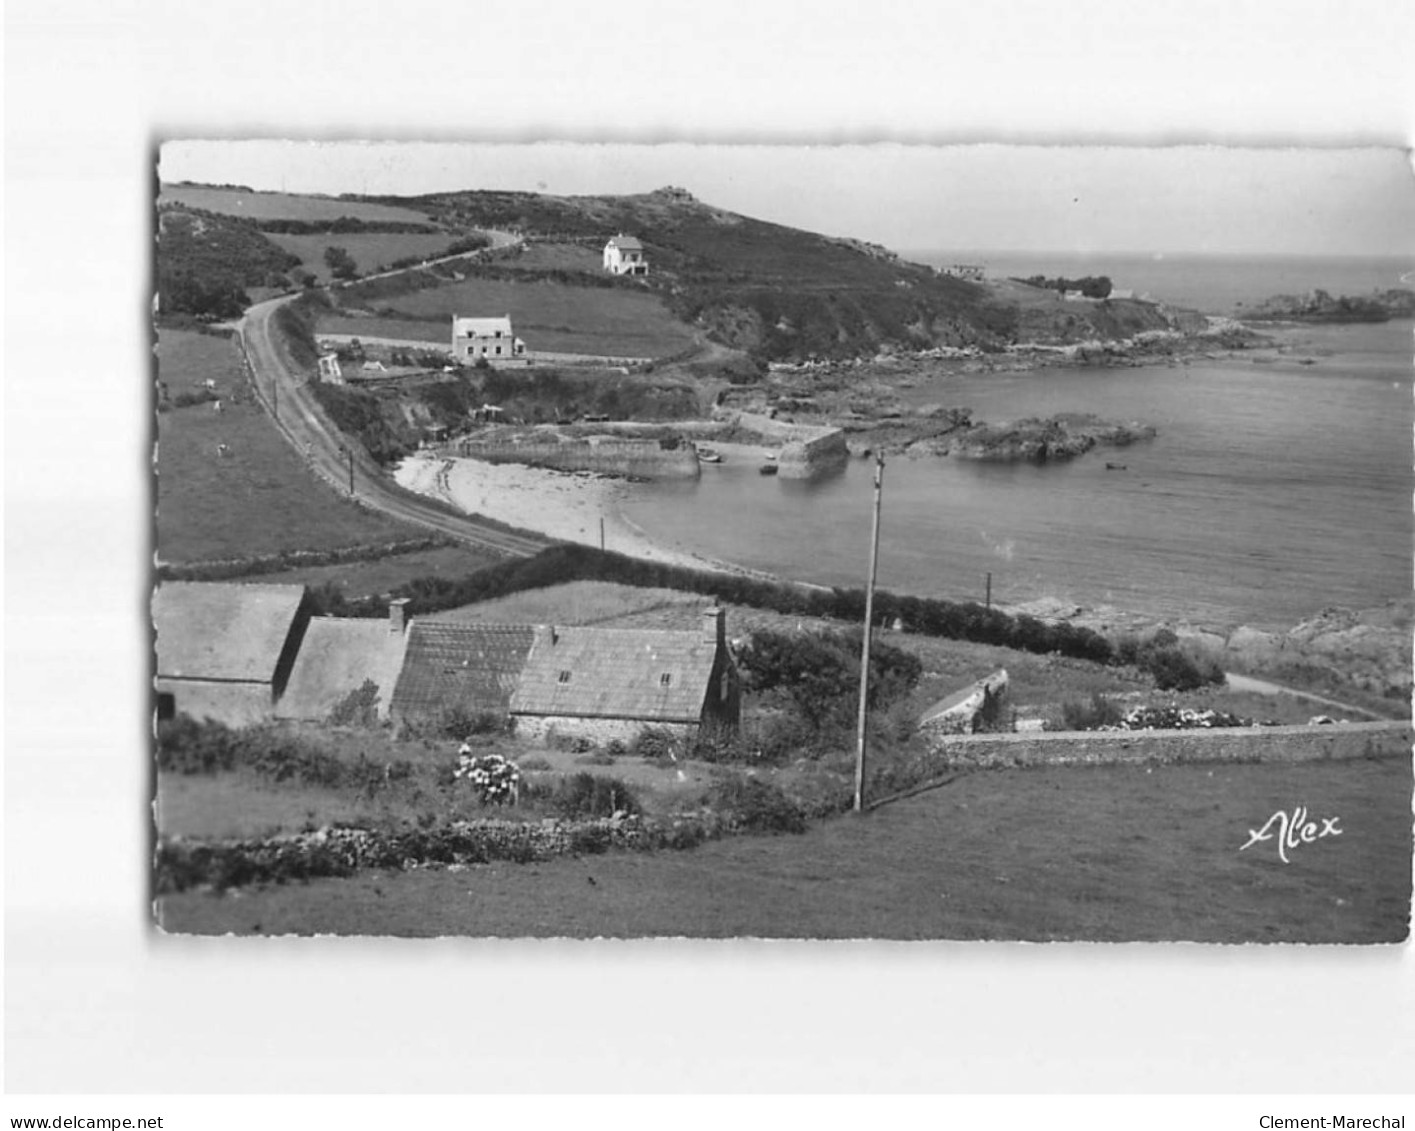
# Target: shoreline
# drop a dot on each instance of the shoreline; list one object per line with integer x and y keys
{"x": 565, "y": 506}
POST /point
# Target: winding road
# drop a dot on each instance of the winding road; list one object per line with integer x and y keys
{"x": 286, "y": 396}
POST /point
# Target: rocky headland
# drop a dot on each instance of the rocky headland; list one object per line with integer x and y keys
{"x": 1319, "y": 306}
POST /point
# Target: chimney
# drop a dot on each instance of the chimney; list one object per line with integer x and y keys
{"x": 397, "y": 616}
{"x": 714, "y": 626}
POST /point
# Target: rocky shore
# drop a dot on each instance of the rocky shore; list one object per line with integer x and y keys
{"x": 1368, "y": 650}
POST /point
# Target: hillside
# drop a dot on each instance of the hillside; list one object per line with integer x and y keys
{"x": 774, "y": 291}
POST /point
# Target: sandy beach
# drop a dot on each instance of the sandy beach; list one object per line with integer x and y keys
{"x": 565, "y": 506}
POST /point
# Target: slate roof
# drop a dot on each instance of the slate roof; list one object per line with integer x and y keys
{"x": 616, "y": 673}
{"x": 474, "y": 666}
{"x": 482, "y": 327}
{"x": 336, "y": 656}
{"x": 222, "y": 631}
{"x": 626, "y": 243}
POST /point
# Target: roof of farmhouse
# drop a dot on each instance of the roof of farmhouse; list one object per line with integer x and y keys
{"x": 617, "y": 673}
{"x": 449, "y": 664}
{"x": 222, "y": 631}
{"x": 626, "y": 243}
{"x": 336, "y": 656}
{"x": 482, "y": 327}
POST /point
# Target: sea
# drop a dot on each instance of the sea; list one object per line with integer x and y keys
{"x": 1273, "y": 489}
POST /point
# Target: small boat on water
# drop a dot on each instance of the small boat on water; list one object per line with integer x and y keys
{"x": 707, "y": 455}
{"x": 1115, "y": 467}
{"x": 768, "y": 469}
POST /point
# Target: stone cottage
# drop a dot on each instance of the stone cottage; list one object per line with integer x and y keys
{"x": 606, "y": 684}
{"x": 225, "y": 651}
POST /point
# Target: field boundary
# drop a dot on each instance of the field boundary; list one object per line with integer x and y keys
{"x": 1304, "y": 743}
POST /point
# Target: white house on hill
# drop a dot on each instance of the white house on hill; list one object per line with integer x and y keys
{"x": 624, "y": 255}
{"x": 490, "y": 338}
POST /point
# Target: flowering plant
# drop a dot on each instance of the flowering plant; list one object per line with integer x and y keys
{"x": 497, "y": 780}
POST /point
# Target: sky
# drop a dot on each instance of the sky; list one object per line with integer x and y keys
{"x": 1059, "y": 198}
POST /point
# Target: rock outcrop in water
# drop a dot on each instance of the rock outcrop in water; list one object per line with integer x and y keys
{"x": 1319, "y": 306}
{"x": 1034, "y": 441}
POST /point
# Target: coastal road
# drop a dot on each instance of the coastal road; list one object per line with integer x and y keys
{"x": 342, "y": 462}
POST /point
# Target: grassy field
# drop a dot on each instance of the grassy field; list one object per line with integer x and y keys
{"x": 1111, "y": 854}
{"x": 371, "y": 251}
{"x": 257, "y": 498}
{"x": 558, "y": 257}
{"x": 283, "y": 206}
{"x": 554, "y": 317}
{"x": 588, "y": 602}
{"x": 360, "y": 579}
{"x": 404, "y": 330}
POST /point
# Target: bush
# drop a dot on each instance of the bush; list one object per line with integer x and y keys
{"x": 1098, "y": 712}
{"x": 819, "y": 672}
{"x": 757, "y": 806}
{"x": 589, "y": 795}
{"x": 186, "y": 746}
{"x": 655, "y": 744}
{"x": 359, "y": 708}
{"x": 495, "y": 779}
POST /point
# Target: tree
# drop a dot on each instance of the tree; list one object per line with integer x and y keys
{"x": 341, "y": 263}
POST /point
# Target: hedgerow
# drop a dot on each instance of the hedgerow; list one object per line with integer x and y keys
{"x": 925, "y": 616}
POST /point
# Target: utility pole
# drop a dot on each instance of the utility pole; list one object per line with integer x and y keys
{"x": 865, "y": 650}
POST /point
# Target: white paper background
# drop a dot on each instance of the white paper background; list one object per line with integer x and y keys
{"x": 95, "y": 1003}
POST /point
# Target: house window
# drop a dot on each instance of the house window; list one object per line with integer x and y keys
{"x": 564, "y": 677}
{"x": 498, "y": 351}
{"x": 666, "y": 679}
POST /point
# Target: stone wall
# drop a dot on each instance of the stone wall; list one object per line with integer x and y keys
{"x": 1340, "y": 741}
{"x": 642, "y": 459}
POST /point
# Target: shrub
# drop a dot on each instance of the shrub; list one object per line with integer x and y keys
{"x": 1098, "y": 712}
{"x": 495, "y": 779}
{"x": 1174, "y": 670}
{"x": 458, "y": 723}
{"x": 589, "y": 795}
{"x": 186, "y": 746}
{"x": 757, "y": 806}
{"x": 359, "y": 708}
{"x": 819, "y": 672}
{"x": 656, "y": 743}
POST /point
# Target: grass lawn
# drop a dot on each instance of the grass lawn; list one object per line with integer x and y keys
{"x": 258, "y": 498}
{"x": 616, "y": 321}
{"x": 283, "y": 206}
{"x": 371, "y": 250}
{"x": 1113, "y": 854}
